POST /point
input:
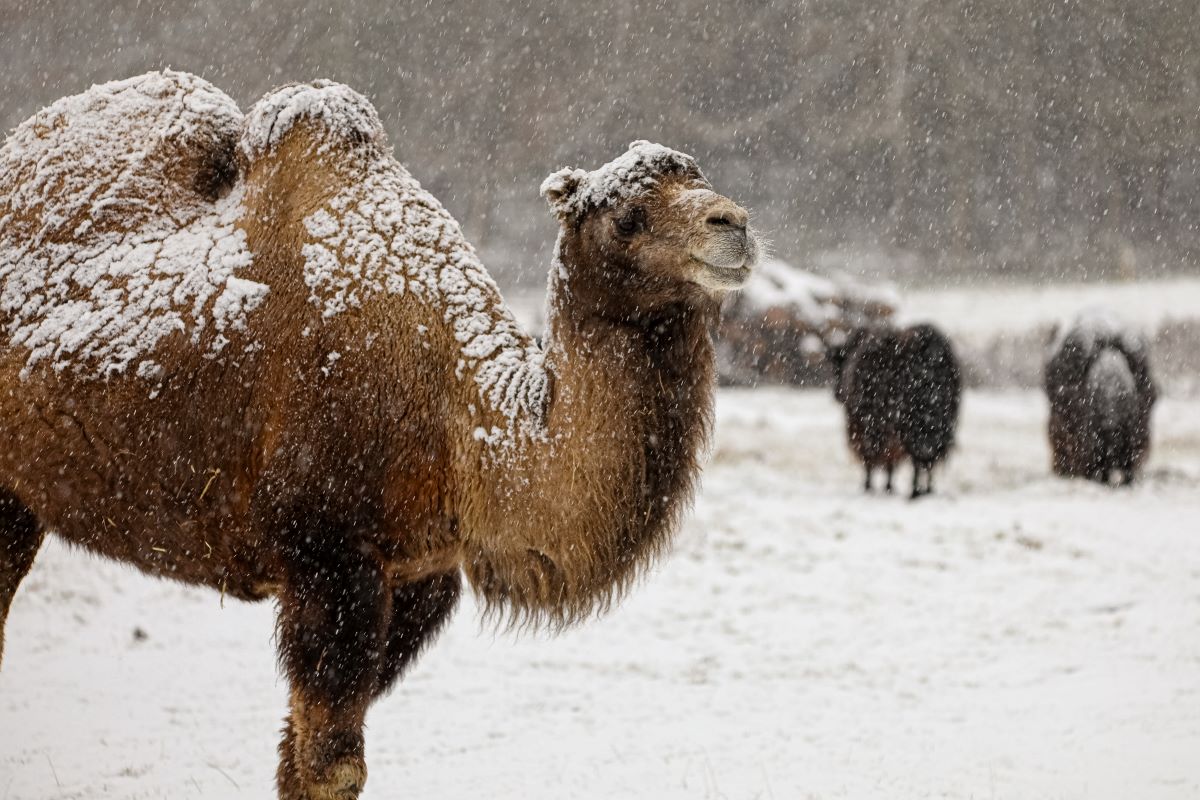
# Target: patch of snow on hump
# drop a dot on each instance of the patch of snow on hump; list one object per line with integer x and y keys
{"x": 388, "y": 235}
{"x": 344, "y": 113}
{"x": 630, "y": 175}
{"x": 98, "y": 309}
{"x": 105, "y": 245}
{"x": 1095, "y": 326}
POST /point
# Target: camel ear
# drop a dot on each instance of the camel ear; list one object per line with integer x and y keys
{"x": 559, "y": 189}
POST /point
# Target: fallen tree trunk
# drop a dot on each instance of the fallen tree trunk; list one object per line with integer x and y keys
{"x": 775, "y": 329}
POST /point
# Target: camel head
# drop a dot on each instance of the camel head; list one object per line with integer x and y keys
{"x": 647, "y": 230}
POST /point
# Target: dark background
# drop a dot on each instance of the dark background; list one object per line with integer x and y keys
{"x": 930, "y": 142}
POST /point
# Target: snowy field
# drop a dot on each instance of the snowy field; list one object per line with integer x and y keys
{"x": 1014, "y": 636}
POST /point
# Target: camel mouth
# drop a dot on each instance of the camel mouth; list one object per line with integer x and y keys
{"x": 727, "y": 259}
{"x": 721, "y": 278}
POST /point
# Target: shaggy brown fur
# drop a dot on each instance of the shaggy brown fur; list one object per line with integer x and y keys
{"x": 353, "y": 489}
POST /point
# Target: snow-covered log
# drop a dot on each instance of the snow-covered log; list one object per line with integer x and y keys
{"x": 775, "y": 330}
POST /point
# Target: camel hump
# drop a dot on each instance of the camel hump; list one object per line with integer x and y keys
{"x": 118, "y": 156}
{"x": 333, "y": 115}
{"x": 118, "y": 226}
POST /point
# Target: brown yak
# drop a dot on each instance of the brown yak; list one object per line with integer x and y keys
{"x": 250, "y": 352}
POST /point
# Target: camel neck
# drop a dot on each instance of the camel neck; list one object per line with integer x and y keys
{"x": 659, "y": 366}
{"x": 592, "y": 503}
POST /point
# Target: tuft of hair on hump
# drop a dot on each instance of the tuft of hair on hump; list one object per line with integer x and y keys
{"x": 337, "y": 115}
{"x": 575, "y": 192}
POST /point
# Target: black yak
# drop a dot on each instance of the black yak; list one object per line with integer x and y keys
{"x": 928, "y": 388}
{"x": 901, "y": 391}
{"x": 1101, "y": 396}
{"x": 864, "y": 382}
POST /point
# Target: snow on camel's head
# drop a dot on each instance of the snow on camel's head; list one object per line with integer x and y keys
{"x": 661, "y": 233}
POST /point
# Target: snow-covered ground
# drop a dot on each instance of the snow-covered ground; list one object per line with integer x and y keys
{"x": 1014, "y": 636}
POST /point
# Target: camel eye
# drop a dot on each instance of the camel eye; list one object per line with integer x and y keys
{"x": 630, "y": 222}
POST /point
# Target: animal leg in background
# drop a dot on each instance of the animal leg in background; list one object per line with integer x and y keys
{"x": 333, "y": 618}
{"x": 919, "y": 469}
{"x": 1128, "y": 467}
{"x": 20, "y": 538}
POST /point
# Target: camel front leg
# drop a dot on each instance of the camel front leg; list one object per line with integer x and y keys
{"x": 333, "y": 614}
{"x": 420, "y": 610}
{"x": 20, "y": 538}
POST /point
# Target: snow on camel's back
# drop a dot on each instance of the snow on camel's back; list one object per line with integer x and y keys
{"x": 250, "y": 352}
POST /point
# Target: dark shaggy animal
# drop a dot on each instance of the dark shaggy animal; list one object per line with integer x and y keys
{"x": 865, "y": 380}
{"x": 928, "y": 388}
{"x": 901, "y": 391}
{"x": 1101, "y": 396}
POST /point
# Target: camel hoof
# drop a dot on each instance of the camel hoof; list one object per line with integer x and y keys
{"x": 343, "y": 781}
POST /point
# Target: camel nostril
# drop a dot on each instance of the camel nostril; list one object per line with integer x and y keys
{"x": 727, "y": 220}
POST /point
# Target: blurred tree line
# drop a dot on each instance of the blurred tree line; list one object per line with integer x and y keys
{"x": 924, "y": 140}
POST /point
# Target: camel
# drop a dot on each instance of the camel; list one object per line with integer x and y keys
{"x": 250, "y": 352}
